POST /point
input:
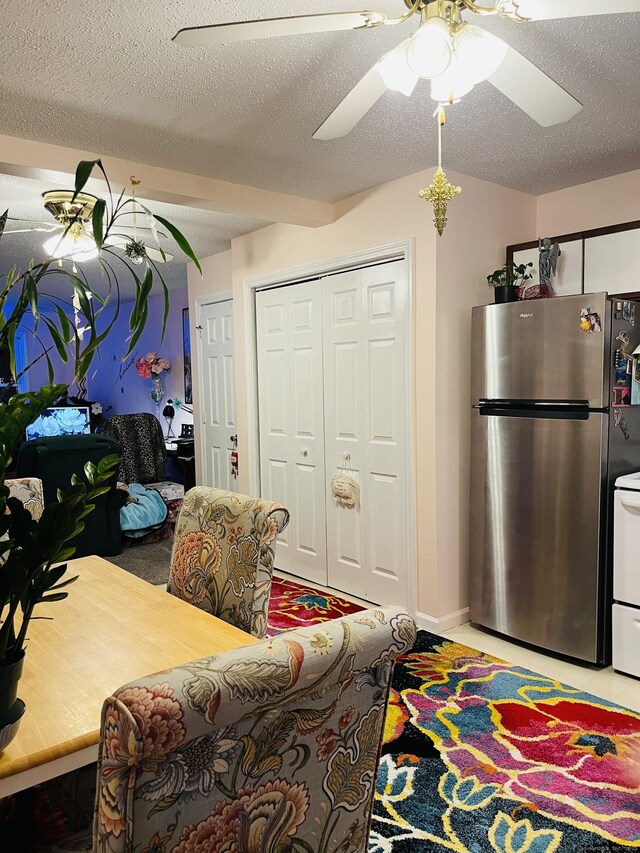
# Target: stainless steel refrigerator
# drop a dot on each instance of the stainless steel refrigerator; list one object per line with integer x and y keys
{"x": 551, "y": 430}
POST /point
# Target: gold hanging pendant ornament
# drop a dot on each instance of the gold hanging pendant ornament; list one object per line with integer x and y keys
{"x": 441, "y": 192}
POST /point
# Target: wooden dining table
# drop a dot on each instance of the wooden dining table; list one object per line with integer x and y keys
{"x": 112, "y": 629}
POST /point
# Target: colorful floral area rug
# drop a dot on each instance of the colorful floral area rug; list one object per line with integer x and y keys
{"x": 294, "y": 606}
{"x": 483, "y": 756}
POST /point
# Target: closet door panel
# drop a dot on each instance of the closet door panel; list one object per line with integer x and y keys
{"x": 385, "y": 453}
{"x": 365, "y": 430}
{"x": 290, "y": 396}
{"x": 386, "y": 543}
{"x": 275, "y": 481}
{"x": 344, "y": 376}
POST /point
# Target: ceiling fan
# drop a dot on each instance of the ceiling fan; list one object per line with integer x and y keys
{"x": 72, "y": 236}
{"x": 447, "y": 49}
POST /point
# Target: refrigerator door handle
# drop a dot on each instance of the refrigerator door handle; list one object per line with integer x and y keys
{"x": 574, "y": 413}
{"x": 633, "y": 504}
{"x": 553, "y": 404}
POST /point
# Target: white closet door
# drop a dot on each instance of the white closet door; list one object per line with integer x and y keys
{"x": 218, "y": 400}
{"x": 290, "y": 389}
{"x": 365, "y": 418}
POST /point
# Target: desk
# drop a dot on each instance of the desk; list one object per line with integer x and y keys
{"x": 183, "y": 453}
{"x": 112, "y": 629}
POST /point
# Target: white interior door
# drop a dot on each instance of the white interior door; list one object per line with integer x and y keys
{"x": 290, "y": 389}
{"x": 365, "y": 419}
{"x": 218, "y": 404}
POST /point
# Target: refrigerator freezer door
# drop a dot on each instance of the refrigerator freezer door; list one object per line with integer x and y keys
{"x": 535, "y": 544}
{"x": 536, "y": 350}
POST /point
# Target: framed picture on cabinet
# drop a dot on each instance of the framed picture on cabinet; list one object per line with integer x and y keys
{"x": 186, "y": 348}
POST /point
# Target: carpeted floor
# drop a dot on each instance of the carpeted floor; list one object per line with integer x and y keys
{"x": 481, "y": 755}
{"x": 151, "y": 562}
{"x": 295, "y": 606}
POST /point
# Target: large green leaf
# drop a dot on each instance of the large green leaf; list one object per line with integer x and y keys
{"x": 97, "y": 221}
{"x": 180, "y": 239}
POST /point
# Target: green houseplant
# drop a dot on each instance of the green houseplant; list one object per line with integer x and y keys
{"x": 33, "y": 553}
{"x": 507, "y": 279}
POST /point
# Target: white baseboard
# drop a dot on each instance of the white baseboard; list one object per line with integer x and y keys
{"x": 445, "y": 623}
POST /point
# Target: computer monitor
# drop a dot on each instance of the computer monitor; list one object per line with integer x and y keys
{"x": 63, "y": 420}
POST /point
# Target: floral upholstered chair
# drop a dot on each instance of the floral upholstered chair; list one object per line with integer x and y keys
{"x": 29, "y": 491}
{"x": 223, "y": 552}
{"x": 273, "y": 747}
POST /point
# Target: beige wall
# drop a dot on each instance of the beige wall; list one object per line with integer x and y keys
{"x": 609, "y": 201}
{"x": 482, "y": 222}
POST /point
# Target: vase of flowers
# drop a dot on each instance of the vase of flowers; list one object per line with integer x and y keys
{"x": 33, "y": 552}
{"x": 152, "y": 366}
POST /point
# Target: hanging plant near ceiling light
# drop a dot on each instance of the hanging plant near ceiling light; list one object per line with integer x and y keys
{"x": 440, "y": 192}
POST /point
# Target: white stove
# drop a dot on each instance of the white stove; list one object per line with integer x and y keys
{"x": 626, "y": 575}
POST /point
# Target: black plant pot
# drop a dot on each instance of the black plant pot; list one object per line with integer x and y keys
{"x": 9, "y": 679}
{"x": 505, "y": 293}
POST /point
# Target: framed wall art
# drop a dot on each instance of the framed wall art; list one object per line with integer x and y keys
{"x": 186, "y": 346}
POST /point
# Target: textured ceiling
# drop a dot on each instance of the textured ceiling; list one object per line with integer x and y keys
{"x": 106, "y": 77}
{"x": 208, "y": 232}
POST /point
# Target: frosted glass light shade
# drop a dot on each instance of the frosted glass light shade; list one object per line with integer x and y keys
{"x": 82, "y": 248}
{"x": 452, "y": 85}
{"x": 429, "y": 52}
{"x": 395, "y": 72}
{"x": 478, "y": 52}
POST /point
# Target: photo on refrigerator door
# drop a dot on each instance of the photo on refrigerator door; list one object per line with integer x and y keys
{"x": 621, "y": 396}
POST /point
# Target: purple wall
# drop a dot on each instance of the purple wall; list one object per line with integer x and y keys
{"x": 115, "y": 383}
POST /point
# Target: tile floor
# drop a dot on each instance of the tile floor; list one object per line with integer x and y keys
{"x": 605, "y": 683}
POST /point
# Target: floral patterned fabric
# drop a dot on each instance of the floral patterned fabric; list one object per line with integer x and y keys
{"x": 481, "y": 755}
{"x": 295, "y": 606}
{"x": 222, "y": 558}
{"x": 29, "y": 491}
{"x": 272, "y": 748}
{"x": 142, "y": 442}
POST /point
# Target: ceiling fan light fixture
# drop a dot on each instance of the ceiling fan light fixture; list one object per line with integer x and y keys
{"x": 79, "y": 248}
{"x": 395, "y": 72}
{"x": 478, "y": 53}
{"x": 430, "y": 50}
{"x": 454, "y": 84}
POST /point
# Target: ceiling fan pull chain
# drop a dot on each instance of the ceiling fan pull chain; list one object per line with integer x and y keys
{"x": 440, "y": 192}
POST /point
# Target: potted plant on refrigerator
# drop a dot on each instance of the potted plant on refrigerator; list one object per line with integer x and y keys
{"x": 506, "y": 281}
{"x": 33, "y": 552}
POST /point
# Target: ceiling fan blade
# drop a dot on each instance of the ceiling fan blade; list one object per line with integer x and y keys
{"x": 140, "y": 230}
{"x": 364, "y": 95}
{"x": 30, "y": 230}
{"x": 534, "y": 91}
{"x": 545, "y": 10}
{"x": 35, "y": 221}
{"x": 216, "y": 34}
